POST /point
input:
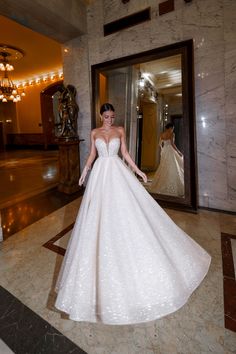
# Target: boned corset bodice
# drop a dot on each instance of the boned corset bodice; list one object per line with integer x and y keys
{"x": 109, "y": 149}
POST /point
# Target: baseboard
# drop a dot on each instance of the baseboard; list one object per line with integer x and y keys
{"x": 217, "y": 210}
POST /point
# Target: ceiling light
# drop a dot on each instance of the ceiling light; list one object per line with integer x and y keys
{"x": 141, "y": 80}
{"x": 8, "y": 90}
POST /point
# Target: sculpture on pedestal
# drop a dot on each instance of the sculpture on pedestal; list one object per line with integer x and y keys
{"x": 68, "y": 140}
{"x": 68, "y": 113}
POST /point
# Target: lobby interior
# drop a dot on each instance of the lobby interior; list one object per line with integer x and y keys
{"x": 37, "y": 217}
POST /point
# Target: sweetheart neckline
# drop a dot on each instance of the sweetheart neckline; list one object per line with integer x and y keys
{"x": 108, "y": 141}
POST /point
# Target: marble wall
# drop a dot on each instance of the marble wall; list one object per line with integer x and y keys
{"x": 212, "y": 25}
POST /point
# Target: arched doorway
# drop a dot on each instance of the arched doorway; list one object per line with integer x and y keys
{"x": 49, "y": 114}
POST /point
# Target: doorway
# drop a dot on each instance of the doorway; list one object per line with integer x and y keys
{"x": 49, "y": 99}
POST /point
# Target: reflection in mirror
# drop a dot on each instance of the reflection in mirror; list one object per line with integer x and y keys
{"x": 157, "y": 123}
{"x": 153, "y": 99}
{"x": 56, "y": 113}
{"x": 160, "y": 125}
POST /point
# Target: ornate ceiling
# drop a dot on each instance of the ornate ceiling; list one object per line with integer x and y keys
{"x": 42, "y": 54}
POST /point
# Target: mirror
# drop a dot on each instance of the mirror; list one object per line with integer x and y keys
{"x": 153, "y": 96}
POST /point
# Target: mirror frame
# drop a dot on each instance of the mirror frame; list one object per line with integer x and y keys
{"x": 185, "y": 48}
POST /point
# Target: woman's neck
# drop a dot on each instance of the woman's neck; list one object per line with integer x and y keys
{"x": 107, "y": 129}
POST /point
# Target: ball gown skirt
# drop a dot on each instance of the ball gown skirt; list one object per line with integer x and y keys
{"x": 126, "y": 262}
{"x": 169, "y": 177}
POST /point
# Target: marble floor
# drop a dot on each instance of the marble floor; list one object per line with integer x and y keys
{"x": 16, "y": 217}
{"x": 30, "y": 261}
{"x": 28, "y": 188}
{"x": 18, "y": 167}
{"x": 4, "y": 349}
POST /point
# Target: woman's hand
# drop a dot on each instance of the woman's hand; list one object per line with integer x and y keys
{"x": 141, "y": 174}
{"x": 83, "y": 175}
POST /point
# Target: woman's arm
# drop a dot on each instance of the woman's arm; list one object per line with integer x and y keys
{"x": 127, "y": 156}
{"x": 160, "y": 142}
{"x": 90, "y": 159}
{"x": 174, "y": 146}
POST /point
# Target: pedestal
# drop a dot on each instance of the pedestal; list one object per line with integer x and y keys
{"x": 69, "y": 166}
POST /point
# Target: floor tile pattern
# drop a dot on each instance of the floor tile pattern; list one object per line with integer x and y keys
{"x": 229, "y": 281}
{"x": 25, "y": 332}
{"x": 4, "y": 349}
{"x": 29, "y": 271}
{"x": 51, "y": 244}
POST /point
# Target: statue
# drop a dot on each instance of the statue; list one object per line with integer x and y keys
{"x": 68, "y": 114}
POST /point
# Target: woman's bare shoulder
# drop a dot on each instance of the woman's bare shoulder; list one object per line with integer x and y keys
{"x": 120, "y": 129}
{"x": 163, "y": 134}
{"x": 95, "y": 131}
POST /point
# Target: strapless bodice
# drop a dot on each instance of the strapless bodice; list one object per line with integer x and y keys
{"x": 109, "y": 149}
{"x": 166, "y": 142}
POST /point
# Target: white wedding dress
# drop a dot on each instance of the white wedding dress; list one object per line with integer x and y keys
{"x": 169, "y": 177}
{"x": 126, "y": 262}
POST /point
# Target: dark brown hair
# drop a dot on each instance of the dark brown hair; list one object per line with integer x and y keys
{"x": 106, "y": 107}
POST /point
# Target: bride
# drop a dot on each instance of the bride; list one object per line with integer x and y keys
{"x": 126, "y": 262}
{"x": 169, "y": 177}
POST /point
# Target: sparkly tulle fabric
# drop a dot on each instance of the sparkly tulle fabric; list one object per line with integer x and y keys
{"x": 169, "y": 177}
{"x": 126, "y": 262}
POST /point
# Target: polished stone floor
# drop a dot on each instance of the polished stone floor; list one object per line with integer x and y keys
{"x": 29, "y": 271}
{"x": 28, "y": 188}
{"x": 19, "y": 167}
{"x": 31, "y": 257}
{"x": 25, "y": 212}
{"x": 4, "y": 349}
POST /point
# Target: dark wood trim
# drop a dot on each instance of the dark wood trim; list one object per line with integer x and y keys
{"x": 227, "y": 255}
{"x": 185, "y": 48}
{"x": 149, "y": 55}
{"x": 229, "y": 281}
{"x": 50, "y": 244}
{"x": 25, "y": 139}
{"x": 218, "y": 210}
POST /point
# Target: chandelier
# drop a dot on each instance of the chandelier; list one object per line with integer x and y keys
{"x": 8, "y": 90}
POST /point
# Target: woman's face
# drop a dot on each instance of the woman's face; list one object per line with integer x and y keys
{"x": 108, "y": 118}
{"x": 170, "y": 129}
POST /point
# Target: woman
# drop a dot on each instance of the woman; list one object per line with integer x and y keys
{"x": 169, "y": 177}
{"x": 126, "y": 262}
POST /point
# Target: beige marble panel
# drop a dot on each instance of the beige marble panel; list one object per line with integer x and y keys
{"x": 230, "y": 87}
{"x": 211, "y": 24}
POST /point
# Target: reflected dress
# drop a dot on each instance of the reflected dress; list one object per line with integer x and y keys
{"x": 126, "y": 262}
{"x": 169, "y": 177}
